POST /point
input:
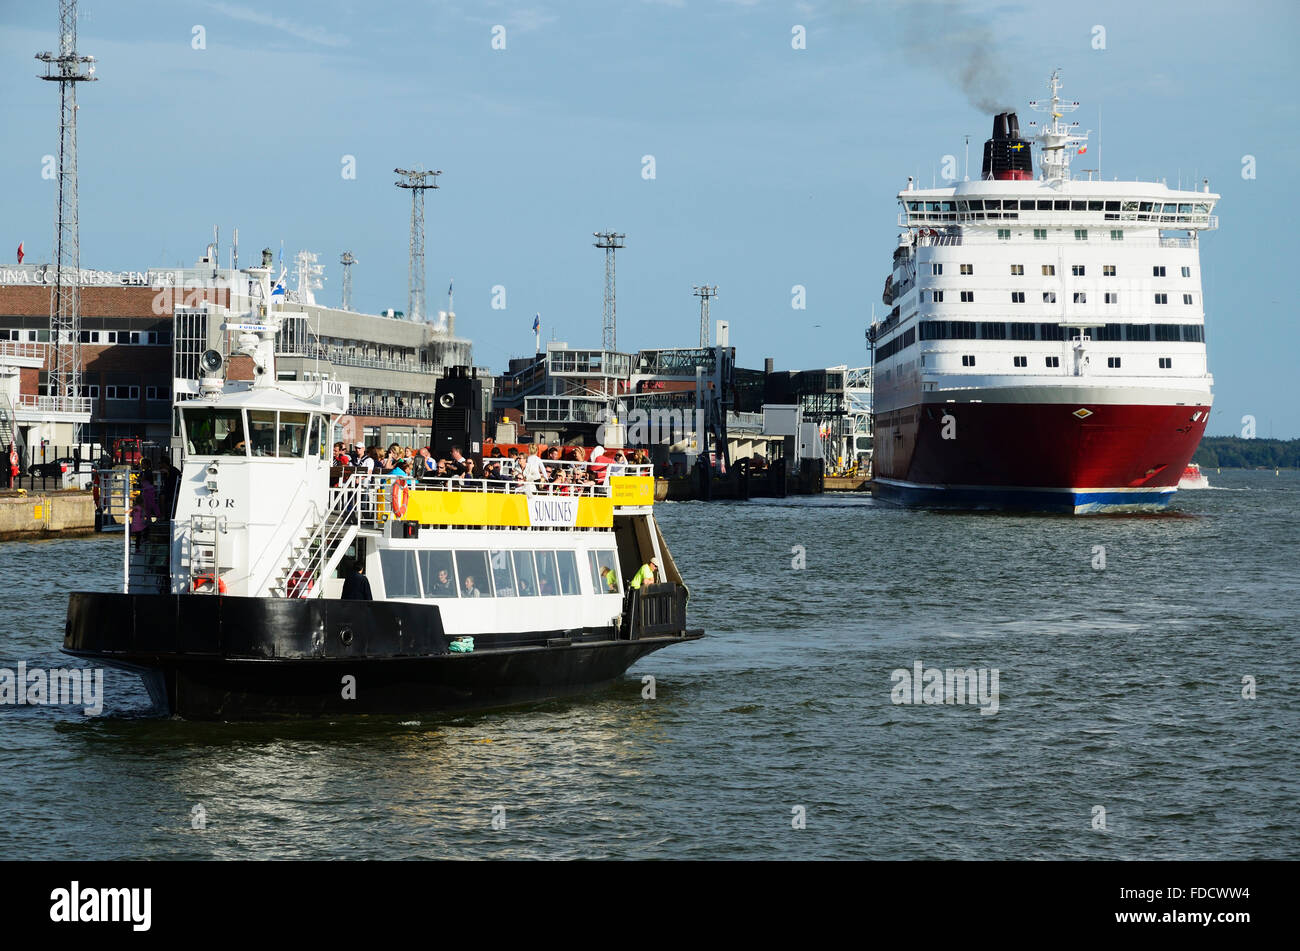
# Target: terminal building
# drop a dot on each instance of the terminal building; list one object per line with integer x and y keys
{"x": 141, "y": 329}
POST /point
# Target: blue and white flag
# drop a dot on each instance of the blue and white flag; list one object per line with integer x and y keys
{"x": 279, "y": 288}
{"x": 537, "y": 323}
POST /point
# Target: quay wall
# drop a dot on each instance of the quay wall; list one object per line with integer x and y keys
{"x": 45, "y": 514}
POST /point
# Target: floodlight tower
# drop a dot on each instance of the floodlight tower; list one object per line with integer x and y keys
{"x": 67, "y": 69}
{"x": 417, "y": 180}
{"x": 705, "y": 293}
{"x": 347, "y": 260}
{"x": 610, "y": 242}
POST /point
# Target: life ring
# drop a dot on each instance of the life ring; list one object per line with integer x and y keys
{"x": 207, "y": 579}
{"x": 400, "y": 495}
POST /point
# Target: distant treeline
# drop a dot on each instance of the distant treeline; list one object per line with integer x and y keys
{"x": 1237, "y": 453}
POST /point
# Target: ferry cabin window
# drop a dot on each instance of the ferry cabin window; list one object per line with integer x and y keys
{"x": 314, "y": 444}
{"x": 214, "y": 432}
{"x": 604, "y": 559}
{"x": 438, "y": 574}
{"x": 568, "y": 563}
{"x": 261, "y": 431}
{"x": 475, "y": 580}
{"x": 547, "y": 581}
{"x": 1053, "y": 362}
{"x": 503, "y": 574}
{"x": 525, "y": 573}
{"x": 400, "y": 580}
{"x": 293, "y": 435}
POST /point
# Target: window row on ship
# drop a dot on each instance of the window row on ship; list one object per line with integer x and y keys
{"x": 936, "y": 296}
{"x": 503, "y": 573}
{"x": 1049, "y": 270}
{"x": 1005, "y": 361}
{"x": 1009, "y": 209}
{"x": 1025, "y": 331}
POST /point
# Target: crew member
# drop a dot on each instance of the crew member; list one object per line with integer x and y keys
{"x": 646, "y": 574}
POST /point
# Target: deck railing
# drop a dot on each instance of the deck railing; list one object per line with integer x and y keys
{"x": 372, "y": 492}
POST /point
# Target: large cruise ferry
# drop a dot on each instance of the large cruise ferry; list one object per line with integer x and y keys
{"x": 1045, "y": 349}
{"x": 246, "y": 599}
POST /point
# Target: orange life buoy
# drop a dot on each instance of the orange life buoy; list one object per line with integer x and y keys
{"x": 400, "y": 495}
{"x": 207, "y": 579}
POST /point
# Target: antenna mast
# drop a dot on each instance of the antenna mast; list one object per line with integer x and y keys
{"x": 610, "y": 242}
{"x": 417, "y": 180}
{"x": 705, "y": 293}
{"x": 1057, "y": 137}
{"x": 67, "y": 69}
{"x": 347, "y": 260}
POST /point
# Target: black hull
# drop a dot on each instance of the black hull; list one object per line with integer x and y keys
{"x": 229, "y": 658}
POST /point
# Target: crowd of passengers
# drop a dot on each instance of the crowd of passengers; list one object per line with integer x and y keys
{"x": 538, "y": 468}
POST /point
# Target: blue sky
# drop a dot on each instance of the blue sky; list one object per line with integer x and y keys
{"x": 773, "y": 166}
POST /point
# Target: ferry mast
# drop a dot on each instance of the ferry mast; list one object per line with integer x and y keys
{"x": 1057, "y": 138}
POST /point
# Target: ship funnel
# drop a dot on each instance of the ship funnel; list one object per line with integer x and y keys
{"x": 1007, "y": 155}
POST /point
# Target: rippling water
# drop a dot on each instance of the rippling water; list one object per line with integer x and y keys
{"x": 1119, "y": 688}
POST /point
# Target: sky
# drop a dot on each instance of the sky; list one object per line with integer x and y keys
{"x": 769, "y": 165}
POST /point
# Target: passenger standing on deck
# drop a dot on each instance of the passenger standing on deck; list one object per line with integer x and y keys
{"x": 137, "y": 520}
{"x": 149, "y": 496}
{"x": 356, "y": 587}
{"x": 534, "y": 471}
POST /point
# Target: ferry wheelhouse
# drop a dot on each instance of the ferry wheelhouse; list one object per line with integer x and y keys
{"x": 484, "y": 592}
{"x": 1045, "y": 347}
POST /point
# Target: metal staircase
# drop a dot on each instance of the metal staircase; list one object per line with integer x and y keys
{"x": 314, "y": 557}
{"x": 7, "y": 434}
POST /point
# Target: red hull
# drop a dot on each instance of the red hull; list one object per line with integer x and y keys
{"x": 1044, "y": 445}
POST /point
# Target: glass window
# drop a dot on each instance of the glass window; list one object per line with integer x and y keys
{"x": 568, "y": 563}
{"x": 525, "y": 573}
{"x": 314, "y": 444}
{"x": 400, "y": 580}
{"x": 261, "y": 431}
{"x": 216, "y": 432}
{"x": 609, "y": 559}
{"x": 503, "y": 576}
{"x": 293, "y": 435}
{"x": 475, "y": 581}
{"x": 547, "y": 581}
{"x": 438, "y": 574}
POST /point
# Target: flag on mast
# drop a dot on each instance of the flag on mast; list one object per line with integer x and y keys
{"x": 20, "y": 252}
{"x": 537, "y": 323}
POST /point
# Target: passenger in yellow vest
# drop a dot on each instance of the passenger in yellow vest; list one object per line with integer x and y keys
{"x": 646, "y": 574}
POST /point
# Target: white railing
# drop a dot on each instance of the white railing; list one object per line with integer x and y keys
{"x": 26, "y": 351}
{"x": 372, "y": 494}
{"x": 311, "y": 559}
{"x": 55, "y": 404}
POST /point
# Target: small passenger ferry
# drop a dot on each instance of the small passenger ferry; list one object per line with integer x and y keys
{"x": 484, "y": 592}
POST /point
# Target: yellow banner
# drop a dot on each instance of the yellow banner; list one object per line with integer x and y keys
{"x": 632, "y": 490}
{"x": 434, "y": 507}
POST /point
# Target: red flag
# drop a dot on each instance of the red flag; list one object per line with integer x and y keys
{"x": 1082, "y": 150}
{"x": 20, "y": 252}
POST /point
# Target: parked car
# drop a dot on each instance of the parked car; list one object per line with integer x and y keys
{"x": 52, "y": 469}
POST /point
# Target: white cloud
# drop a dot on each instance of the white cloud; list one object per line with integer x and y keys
{"x": 298, "y": 30}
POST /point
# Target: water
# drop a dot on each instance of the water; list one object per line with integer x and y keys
{"x": 1119, "y": 688}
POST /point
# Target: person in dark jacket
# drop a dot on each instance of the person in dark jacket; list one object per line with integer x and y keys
{"x": 356, "y": 587}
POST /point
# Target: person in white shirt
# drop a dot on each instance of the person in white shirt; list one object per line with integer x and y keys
{"x": 534, "y": 471}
